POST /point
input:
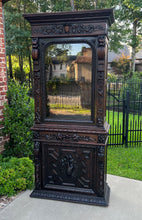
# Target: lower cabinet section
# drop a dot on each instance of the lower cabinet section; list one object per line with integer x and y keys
{"x": 71, "y": 173}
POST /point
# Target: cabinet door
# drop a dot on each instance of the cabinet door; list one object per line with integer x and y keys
{"x": 69, "y": 168}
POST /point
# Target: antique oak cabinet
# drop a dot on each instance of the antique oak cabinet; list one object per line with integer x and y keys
{"x": 69, "y": 52}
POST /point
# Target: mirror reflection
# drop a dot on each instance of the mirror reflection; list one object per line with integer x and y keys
{"x": 68, "y": 69}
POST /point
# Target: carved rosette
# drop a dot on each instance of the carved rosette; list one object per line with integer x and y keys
{"x": 35, "y": 56}
{"x": 101, "y": 138}
{"x": 100, "y": 170}
{"x": 37, "y": 165}
{"x": 100, "y": 80}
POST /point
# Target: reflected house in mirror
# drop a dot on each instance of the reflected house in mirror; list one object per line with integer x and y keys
{"x": 69, "y": 51}
{"x": 83, "y": 65}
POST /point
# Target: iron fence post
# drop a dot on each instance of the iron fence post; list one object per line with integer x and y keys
{"x": 123, "y": 133}
{"x": 127, "y": 116}
{"x": 141, "y": 98}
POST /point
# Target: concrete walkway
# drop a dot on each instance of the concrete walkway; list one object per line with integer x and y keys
{"x": 125, "y": 204}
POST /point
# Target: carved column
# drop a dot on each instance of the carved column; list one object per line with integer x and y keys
{"x": 37, "y": 160}
{"x": 37, "y": 89}
{"x": 100, "y": 80}
{"x": 37, "y": 96}
{"x": 100, "y": 171}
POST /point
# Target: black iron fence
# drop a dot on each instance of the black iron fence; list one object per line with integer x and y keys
{"x": 124, "y": 113}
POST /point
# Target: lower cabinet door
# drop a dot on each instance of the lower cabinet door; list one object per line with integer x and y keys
{"x": 69, "y": 168}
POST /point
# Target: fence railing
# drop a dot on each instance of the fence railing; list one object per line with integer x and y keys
{"x": 124, "y": 113}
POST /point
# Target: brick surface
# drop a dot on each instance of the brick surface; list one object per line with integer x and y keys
{"x": 3, "y": 75}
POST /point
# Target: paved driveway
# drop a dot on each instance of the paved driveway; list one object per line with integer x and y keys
{"x": 125, "y": 204}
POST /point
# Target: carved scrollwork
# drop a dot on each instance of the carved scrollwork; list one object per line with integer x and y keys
{"x": 37, "y": 115}
{"x": 100, "y": 80}
{"x": 69, "y": 29}
{"x": 100, "y": 121}
{"x": 87, "y": 199}
{"x": 100, "y": 165}
{"x": 37, "y": 165}
{"x": 67, "y": 137}
{"x": 101, "y": 151}
{"x": 36, "y": 135}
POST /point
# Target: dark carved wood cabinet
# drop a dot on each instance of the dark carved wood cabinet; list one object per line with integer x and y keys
{"x": 69, "y": 52}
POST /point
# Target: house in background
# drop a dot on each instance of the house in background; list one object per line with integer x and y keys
{"x": 127, "y": 52}
{"x": 3, "y": 73}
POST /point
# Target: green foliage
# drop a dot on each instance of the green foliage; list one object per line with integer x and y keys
{"x": 16, "y": 175}
{"x": 121, "y": 66}
{"x": 135, "y": 91}
{"x": 83, "y": 4}
{"x": 18, "y": 119}
{"x": 111, "y": 77}
{"x": 126, "y": 162}
{"x": 60, "y": 5}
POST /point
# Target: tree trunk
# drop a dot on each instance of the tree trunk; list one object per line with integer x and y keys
{"x": 134, "y": 47}
{"x": 72, "y": 5}
{"x": 10, "y": 66}
{"x": 95, "y": 4}
{"x": 31, "y": 75}
{"x": 22, "y": 74}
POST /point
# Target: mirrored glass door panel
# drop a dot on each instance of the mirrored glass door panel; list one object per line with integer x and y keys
{"x": 68, "y": 69}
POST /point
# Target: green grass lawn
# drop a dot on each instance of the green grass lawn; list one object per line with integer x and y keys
{"x": 125, "y": 162}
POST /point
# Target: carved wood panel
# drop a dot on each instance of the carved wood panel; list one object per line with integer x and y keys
{"x": 100, "y": 80}
{"x": 67, "y": 166}
{"x": 69, "y": 29}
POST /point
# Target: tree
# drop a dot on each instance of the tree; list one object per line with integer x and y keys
{"x": 72, "y": 5}
{"x": 18, "y": 33}
{"x": 128, "y": 26}
{"x": 121, "y": 66}
{"x": 131, "y": 13}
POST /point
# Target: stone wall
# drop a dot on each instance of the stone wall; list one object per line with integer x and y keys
{"x": 3, "y": 75}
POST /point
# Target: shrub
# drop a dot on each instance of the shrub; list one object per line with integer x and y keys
{"x": 111, "y": 77}
{"x": 16, "y": 175}
{"x": 18, "y": 119}
{"x": 121, "y": 66}
{"x": 134, "y": 85}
